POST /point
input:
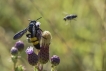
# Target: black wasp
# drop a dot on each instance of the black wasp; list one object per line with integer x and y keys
{"x": 34, "y": 34}
{"x": 70, "y": 17}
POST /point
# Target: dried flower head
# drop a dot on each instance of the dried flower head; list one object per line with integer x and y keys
{"x": 46, "y": 38}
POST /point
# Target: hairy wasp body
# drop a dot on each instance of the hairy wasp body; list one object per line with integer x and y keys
{"x": 34, "y": 34}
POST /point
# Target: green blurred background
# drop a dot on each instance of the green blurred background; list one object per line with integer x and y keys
{"x": 80, "y": 44}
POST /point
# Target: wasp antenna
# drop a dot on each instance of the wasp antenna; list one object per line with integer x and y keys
{"x": 39, "y": 18}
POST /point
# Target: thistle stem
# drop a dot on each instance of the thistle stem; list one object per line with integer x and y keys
{"x": 53, "y": 68}
{"x": 35, "y": 68}
{"x": 14, "y": 60}
{"x": 14, "y": 66}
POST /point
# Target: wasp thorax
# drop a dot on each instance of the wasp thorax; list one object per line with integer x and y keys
{"x": 46, "y": 38}
{"x": 38, "y": 24}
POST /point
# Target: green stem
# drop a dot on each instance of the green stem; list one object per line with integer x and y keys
{"x": 35, "y": 68}
{"x": 53, "y": 68}
{"x": 14, "y": 59}
{"x": 14, "y": 66}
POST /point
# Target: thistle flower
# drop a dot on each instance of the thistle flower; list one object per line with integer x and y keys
{"x": 19, "y": 45}
{"x": 43, "y": 54}
{"x": 32, "y": 57}
{"x": 55, "y": 60}
{"x": 14, "y": 51}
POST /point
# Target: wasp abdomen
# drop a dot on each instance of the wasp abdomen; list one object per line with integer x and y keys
{"x": 37, "y": 46}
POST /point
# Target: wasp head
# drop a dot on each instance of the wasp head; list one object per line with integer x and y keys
{"x": 65, "y": 18}
{"x": 31, "y": 25}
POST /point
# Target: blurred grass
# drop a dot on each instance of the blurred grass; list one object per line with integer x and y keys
{"x": 80, "y": 44}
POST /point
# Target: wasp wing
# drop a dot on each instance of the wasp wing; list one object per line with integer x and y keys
{"x": 20, "y": 34}
{"x": 33, "y": 31}
{"x": 36, "y": 33}
{"x": 39, "y": 34}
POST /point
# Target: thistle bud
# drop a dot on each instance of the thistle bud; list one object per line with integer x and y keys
{"x": 55, "y": 60}
{"x": 32, "y": 57}
{"x": 14, "y": 51}
{"x": 19, "y": 45}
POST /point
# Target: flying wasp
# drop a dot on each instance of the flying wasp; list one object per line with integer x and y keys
{"x": 70, "y": 17}
{"x": 34, "y": 34}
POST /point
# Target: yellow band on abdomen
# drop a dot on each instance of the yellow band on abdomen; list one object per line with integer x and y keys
{"x": 33, "y": 39}
{"x": 36, "y": 42}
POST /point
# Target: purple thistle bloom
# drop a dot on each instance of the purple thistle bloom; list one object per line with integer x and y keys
{"x": 32, "y": 57}
{"x": 29, "y": 50}
{"x": 55, "y": 60}
{"x": 19, "y": 45}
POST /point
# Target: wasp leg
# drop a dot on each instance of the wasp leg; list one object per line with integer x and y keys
{"x": 75, "y": 19}
{"x": 29, "y": 40}
{"x": 28, "y": 35}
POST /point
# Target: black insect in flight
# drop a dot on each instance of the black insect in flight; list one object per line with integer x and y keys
{"x": 70, "y": 17}
{"x": 34, "y": 34}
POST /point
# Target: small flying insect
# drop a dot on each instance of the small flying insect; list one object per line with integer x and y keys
{"x": 70, "y": 17}
{"x": 34, "y": 34}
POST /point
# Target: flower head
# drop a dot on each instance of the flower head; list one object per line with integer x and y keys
{"x": 46, "y": 38}
{"x": 29, "y": 50}
{"x": 19, "y": 45}
{"x": 32, "y": 57}
{"x": 43, "y": 55}
{"x": 14, "y": 51}
{"x": 55, "y": 60}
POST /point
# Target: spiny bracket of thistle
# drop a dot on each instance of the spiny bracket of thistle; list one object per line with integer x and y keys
{"x": 46, "y": 38}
